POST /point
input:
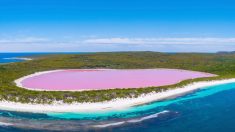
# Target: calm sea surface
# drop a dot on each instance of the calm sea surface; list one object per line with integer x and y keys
{"x": 12, "y": 57}
{"x": 211, "y": 109}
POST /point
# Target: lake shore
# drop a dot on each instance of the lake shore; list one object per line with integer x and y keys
{"x": 115, "y": 104}
{"x": 118, "y": 79}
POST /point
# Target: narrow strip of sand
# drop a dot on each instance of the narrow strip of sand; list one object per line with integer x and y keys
{"x": 19, "y": 58}
{"x": 115, "y": 104}
{"x": 19, "y": 84}
{"x": 77, "y": 79}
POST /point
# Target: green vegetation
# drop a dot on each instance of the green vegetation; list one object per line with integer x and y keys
{"x": 220, "y": 64}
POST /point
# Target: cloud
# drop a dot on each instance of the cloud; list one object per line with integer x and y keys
{"x": 37, "y": 44}
{"x": 24, "y": 40}
{"x": 126, "y": 41}
{"x": 154, "y": 41}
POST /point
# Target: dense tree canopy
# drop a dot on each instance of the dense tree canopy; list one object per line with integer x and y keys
{"x": 220, "y": 64}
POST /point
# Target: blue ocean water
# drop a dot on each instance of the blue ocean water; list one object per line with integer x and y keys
{"x": 10, "y": 57}
{"x": 211, "y": 109}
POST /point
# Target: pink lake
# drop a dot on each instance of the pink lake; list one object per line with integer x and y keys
{"x": 84, "y": 79}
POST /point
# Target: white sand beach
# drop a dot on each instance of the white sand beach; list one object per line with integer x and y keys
{"x": 115, "y": 104}
{"x": 19, "y": 58}
{"x": 19, "y": 84}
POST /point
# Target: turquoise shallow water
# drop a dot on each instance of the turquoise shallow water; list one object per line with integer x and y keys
{"x": 211, "y": 109}
{"x": 204, "y": 110}
{"x": 139, "y": 110}
{"x": 8, "y": 57}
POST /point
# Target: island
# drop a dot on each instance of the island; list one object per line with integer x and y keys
{"x": 106, "y": 81}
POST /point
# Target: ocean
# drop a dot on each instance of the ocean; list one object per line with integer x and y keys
{"x": 13, "y": 57}
{"x": 206, "y": 110}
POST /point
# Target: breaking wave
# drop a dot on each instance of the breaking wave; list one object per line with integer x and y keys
{"x": 133, "y": 120}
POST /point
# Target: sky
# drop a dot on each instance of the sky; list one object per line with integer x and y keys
{"x": 117, "y": 25}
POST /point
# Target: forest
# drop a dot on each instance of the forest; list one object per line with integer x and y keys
{"x": 222, "y": 64}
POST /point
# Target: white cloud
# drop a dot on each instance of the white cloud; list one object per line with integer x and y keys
{"x": 25, "y": 40}
{"x": 37, "y": 44}
{"x": 130, "y": 41}
{"x": 153, "y": 41}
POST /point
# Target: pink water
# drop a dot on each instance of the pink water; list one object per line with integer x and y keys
{"x": 107, "y": 79}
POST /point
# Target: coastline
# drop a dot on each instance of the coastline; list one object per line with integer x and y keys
{"x": 19, "y": 58}
{"x": 115, "y": 104}
{"x": 15, "y": 58}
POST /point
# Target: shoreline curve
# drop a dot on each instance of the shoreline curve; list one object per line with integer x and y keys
{"x": 115, "y": 104}
{"x": 19, "y": 82}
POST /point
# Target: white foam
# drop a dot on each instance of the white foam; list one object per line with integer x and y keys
{"x": 18, "y": 58}
{"x": 147, "y": 117}
{"x": 132, "y": 120}
{"x": 5, "y": 124}
{"x": 110, "y": 124}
